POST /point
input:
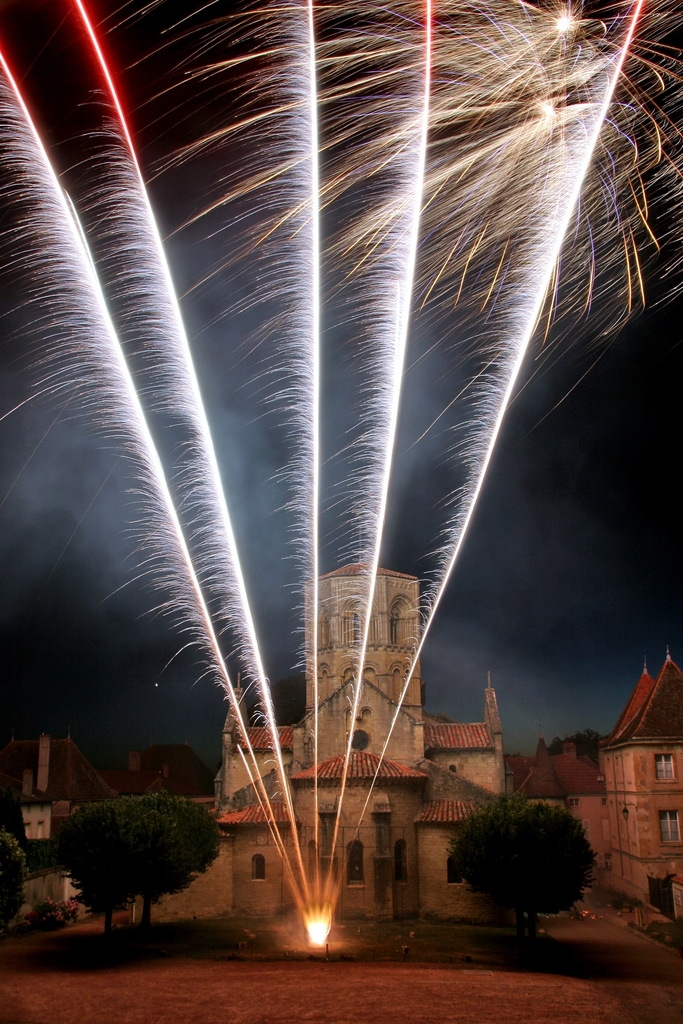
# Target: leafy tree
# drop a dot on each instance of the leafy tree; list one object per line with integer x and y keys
{"x": 12, "y": 877}
{"x": 131, "y": 847}
{"x": 95, "y": 846}
{"x": 587, "y": 743}
{"x": 176, "y": 841}
{"x": 531, "y": 857}
{"x": 11, "y": 818}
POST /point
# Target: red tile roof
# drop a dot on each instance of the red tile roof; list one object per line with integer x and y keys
{"x": 182, "y": 770}
{"x": 362, "y": 765}
{"x": 578, "y": 774}
{"x": 457, "y": 736}
{"x": 555, "y": 776}
{"x": 130, "y": 783}
{"x": 254, "y": 815}
{"x": 444, "y": 812}
{"x": 520, "y": 765}
{"x": 634, "y": 706}
{"x": 70, "y": 775}
{"x": 662, "y": 711}
{"x": 261, "y": 738}
{"x": 360, "y": 569}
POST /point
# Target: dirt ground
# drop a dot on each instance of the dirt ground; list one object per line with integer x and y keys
{"x": 587, "y": 971}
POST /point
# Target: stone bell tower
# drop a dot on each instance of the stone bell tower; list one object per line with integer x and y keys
{"x": 392, "y": 640}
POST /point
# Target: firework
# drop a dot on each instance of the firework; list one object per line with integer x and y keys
{"x": 434, "y": 184}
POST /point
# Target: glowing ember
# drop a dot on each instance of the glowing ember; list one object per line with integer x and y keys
{"x": 318, "y": 921}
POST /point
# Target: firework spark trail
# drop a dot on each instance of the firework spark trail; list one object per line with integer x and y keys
{"x": 395, "y": 348}
{"x": 175, "y": 384}
{"x": 479, "y": 254}
{"x": 314, "y": 415}
{"x": 560, "y": 210}
{"x": 124, "y": 417}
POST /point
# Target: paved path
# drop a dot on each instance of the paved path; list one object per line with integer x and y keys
{"x": 644, "y": 977}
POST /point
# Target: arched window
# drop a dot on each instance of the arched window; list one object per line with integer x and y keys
{"x": 354, "y": 863}
{"x": 323, "y": 630}
{"x": 393, "y": 625}
{"x": 453, "y": 877}
{"x": 398, "y": 622}
{"x": 400, "y": 861}
{"x": 350, "y": 625}
{"x": 258, "y": 867}
{"x": 453, "y": 768}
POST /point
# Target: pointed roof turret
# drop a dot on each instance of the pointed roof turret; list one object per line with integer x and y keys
{"x": 655, "y": 708}
{"x": 541, "y": 780}
{"x": 634, "y": 706}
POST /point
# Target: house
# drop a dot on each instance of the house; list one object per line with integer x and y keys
{"x": 170, "y": 767}
{"x": 567, "y": 780}
{"x": 36, "y": 808}
{"x": 410, "y": 778}
{"x": 54, "y": 778}
{"x": 642, "y": 761}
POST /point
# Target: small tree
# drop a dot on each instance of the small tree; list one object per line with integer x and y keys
{"x": 531, "y": 857}
{"x": 131, "y": 847}
{"x": 176, "y": 840}
{"x": 94, "y": 845}
{"x": 12, "y": 877}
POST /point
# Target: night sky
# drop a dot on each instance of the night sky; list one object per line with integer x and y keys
{"x": 571, "y": 571}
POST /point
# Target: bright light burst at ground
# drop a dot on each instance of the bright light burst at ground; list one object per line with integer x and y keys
{"x": 317, "y": 922}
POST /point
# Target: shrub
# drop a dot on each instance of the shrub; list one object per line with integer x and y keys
{"x": 41, "y": 854}
{"x": 12, "y": 877}
{"x": 51, "y": 914}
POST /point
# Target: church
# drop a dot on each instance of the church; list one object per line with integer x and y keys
{"x": 395, "y": 863}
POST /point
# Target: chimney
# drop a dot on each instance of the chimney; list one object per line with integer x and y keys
{"x": 569, "y": 747}
{"x": 134, "y": 760}
{"x": 43, "y": 762}
{"x": 27, "y": 782}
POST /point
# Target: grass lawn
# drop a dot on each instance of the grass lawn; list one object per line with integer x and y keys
{"x": 221, "y": 939}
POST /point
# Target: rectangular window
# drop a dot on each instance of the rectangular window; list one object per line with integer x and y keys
{"x": 668, "y": 827}
{"x": 664, "y": 767}
{"x": 573, "y": 801}
{"x": 586, "y": 827}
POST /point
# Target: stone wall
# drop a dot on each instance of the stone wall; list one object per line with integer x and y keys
{"x": 265, "y": 896}
{"x": 482, "y": 767}
{"x": 446, "y": 901}
{"x": 387, "y": 819}
{"x": 49, "y": 884}
{"x": 210, "y": 895}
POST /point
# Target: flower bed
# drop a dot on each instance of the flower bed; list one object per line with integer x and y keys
{"x": 51, "y": 914}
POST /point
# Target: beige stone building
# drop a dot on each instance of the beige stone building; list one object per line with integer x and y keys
{"x": 400, "y": 804}
{"x": 642, "y": 761}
